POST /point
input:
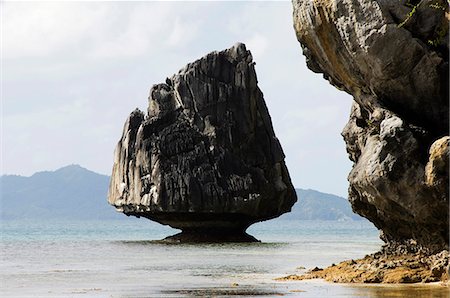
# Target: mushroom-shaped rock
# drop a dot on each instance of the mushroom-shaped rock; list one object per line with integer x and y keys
{"x": 205, "y": 158}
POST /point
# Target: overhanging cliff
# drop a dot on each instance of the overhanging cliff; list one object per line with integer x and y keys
{"x": 392, "y": 56}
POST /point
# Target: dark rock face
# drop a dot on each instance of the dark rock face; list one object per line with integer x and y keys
{"x": 392, "y": 56}
{"x": 205, "y": 158}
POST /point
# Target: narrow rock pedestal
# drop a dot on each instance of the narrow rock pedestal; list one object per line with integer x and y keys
{"x": 210, "y": 236}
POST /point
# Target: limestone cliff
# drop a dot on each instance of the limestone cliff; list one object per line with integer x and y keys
{"x": 392, "y": 56}
{"x": 204, "y": 158}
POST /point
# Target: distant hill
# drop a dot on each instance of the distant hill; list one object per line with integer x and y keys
{"x": 74, "y": 192}
{"x": 315, "y": 205}
{"x": 71, "y": 192}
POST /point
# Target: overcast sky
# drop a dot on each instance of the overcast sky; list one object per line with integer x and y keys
{"x": 72, "y": 73}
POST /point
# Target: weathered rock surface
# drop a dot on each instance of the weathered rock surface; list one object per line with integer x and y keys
{"x": 205, "y": 158}
{"x": 392, "y": 56}
{"x": 382, "y": 267}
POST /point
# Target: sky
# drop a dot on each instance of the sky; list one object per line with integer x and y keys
{"x": 73, "y": 71}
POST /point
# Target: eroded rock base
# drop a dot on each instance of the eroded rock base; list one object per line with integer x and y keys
{"x": 210, "y": 236}
{"x": 385, "y": 268}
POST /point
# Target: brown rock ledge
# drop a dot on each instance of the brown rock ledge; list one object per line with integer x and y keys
{"x": 383, "y": 267}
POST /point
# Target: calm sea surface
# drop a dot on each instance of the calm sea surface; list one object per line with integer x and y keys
{"x": 118, "y": 259}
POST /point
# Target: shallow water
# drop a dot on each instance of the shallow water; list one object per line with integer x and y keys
{"x": 118, "y": 259}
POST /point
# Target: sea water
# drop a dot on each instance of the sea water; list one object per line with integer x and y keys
{"x": 118, "y": 258}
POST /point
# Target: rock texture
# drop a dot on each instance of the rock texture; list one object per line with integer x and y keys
{"x": 392, "y": 56}
{"x": 204, "y": 158}
{"x": 382, "y": 267}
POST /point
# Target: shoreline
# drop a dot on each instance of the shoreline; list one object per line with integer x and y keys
{"x": 384, "y": 268}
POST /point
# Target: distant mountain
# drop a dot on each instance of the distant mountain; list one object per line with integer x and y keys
{"x": 74, "y": 192}
{"x": 315, "y": 205}
{"x": 71, "y": 192}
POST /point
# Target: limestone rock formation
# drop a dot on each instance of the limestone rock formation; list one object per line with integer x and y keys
{"x": 392, "y": 56}
{"x": 204, "y": 158}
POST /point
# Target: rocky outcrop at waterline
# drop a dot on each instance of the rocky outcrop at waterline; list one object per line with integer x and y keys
{"x": 399, "y": 266}
{"x": 392, "y": 56}
{"x": 204, "y": 158}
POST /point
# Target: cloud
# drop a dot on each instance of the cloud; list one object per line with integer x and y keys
{"x": 40, "y": 29}
{"x": 183, "y": 32}
{"x": 258, "y": 45}
{"x": 307, "y": 122}
{"x": 97, "y": 30}
{"x": 61, "y": 134}
{"x": 48, "y": 119}
{"x": 132, "y": 30}
{"x": 45, "y": 137}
